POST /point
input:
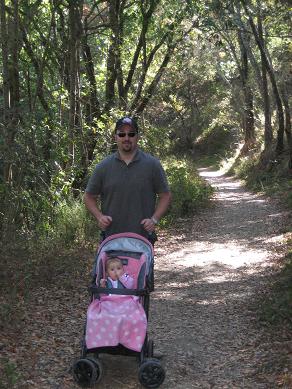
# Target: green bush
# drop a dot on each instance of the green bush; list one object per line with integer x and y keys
{"x": 10, "y": 375}
{"x": 277, "y": 306}
{"x": 189, "y": 190}
{"x": 72, "y": 223}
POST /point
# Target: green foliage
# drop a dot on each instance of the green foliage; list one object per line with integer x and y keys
{"x": 199, "y": 102}
{"x": 217, "y": 142}
{"x": 73, "y": 224}
{"x": 273, "y": 179}
{"x": 9, "y": 376}
{"x": 155, "y": 140}
{"x": 277, "y": 306}
{"x": 189, "y": 191}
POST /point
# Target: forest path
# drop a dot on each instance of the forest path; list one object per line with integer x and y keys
{"x": 203, "y": 319}
{"x": 207, "y": 321}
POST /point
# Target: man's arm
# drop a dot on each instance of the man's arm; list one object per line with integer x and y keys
{"x": 164, "y": 200}
{"x": 90, "y": 202}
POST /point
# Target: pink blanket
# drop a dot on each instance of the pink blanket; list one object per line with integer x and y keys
{"x": 116, "y": 319}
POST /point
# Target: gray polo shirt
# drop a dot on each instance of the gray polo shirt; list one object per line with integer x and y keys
{"x": 128, "y": 192}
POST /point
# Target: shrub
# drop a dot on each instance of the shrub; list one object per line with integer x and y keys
{"x": 72, "y": 223}
{"x": 189, "y": 190}
{"x": 10, "y": 375}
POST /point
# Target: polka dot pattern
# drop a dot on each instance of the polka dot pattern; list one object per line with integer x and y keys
{"x": 116, "y": 319}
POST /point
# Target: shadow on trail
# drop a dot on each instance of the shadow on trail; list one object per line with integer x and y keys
{"x": 208, "y": 284}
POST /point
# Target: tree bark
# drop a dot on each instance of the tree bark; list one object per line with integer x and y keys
{"x": 74, "y": 45}
{"x": 11, "y": 85}
{"x": 5, "y": 70}
{"x": 146, "y": 15}
{"x": 267, "y": 64}
{"x": 150, "y": 90}
{"x": 112, "y": 54}
{"x": 248, "y": 117}
{"x": 288, "y": 130}
{"x": 268, "y": 134}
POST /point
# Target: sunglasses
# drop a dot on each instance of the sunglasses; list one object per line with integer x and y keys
{"x": 123, "y": 134}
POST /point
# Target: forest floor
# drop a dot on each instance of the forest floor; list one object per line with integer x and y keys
{"x": 211, "y": 273}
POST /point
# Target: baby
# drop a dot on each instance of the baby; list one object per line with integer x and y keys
{"x": 113, "y": 318}
{"x": 116, "y": 277}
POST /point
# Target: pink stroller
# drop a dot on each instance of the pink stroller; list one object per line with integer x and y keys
{"x": 117, "y": 317}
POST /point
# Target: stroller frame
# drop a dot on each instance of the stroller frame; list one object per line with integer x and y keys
{"x": 87, "y": 370}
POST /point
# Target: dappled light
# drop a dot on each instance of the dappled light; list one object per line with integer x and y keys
{"x": 206, "y": 285}
{"x": 124, "y": 116}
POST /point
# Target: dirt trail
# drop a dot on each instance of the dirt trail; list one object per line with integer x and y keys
{"x": 202, "y": 315}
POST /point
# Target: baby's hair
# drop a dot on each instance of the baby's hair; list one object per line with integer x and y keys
{"x": 112, "y": 260}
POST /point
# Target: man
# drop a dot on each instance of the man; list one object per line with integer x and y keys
{"x": 128, "y": 183}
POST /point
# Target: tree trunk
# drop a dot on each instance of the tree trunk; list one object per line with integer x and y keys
{"x": 142, "y": 42}
{"x": 5, "y": 70}
{"x": 11, "y": 92}
{"x": 248, "y": 116}
{"x": 74, "y": 45}
{"x": 112, "y": 53}
{"x": 150, "y": 90}
{"x": 287, "y": 122}
{"x": 268, "y": 134}
{"x": 267, "y": 64}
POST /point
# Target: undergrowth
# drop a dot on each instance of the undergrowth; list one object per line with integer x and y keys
{"x": 277, "y": 306}
{"x": 189, "y": 191}
{"x": 10, "y": 375}
{"x": 274, "y": 180}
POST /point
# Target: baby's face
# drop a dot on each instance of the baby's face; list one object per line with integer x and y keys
{"x": 115, "y": 270}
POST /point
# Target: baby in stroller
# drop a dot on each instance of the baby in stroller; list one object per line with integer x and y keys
{"x": 116, "y": 278}
{"x": 118, "y": 313}
{"x": 120, "y": 319}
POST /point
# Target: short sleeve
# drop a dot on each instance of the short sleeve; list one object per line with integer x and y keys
{"x": 94, "y": 185}
{"x": 159, "y": 178}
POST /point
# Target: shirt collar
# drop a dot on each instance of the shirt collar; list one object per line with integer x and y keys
{"x": 137, "y": 155}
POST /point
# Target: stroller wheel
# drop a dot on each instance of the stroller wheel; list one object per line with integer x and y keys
{"x": 98, "y": 366}
{"x": 87, "y": 372}
{"x": 151, "y": 373}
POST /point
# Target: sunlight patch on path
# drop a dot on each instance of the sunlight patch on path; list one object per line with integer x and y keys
{"x": 238, "y": 237}
{"x": 231, "y": 254}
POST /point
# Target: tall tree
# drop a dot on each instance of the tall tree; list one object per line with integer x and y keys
{"x": 11, "y": 85}
{"x": 75, "y": 31}
{"x": 269, "y": 68}
{"x": 268, "y": 134}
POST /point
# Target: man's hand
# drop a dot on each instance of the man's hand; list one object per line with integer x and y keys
{"x": 104, "y": 221}
{"x": 148, "y": 225}
{"x": 102, "y": 283}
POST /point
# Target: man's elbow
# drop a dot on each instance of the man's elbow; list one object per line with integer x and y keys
{"x": 88, "y": 198}
{"x": 85, "y": 197}
{"x": 166, "y": 197}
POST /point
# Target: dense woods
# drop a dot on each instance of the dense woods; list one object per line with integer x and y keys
{"x": 187, "y": 70}
{"x": 210, "y": 83}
